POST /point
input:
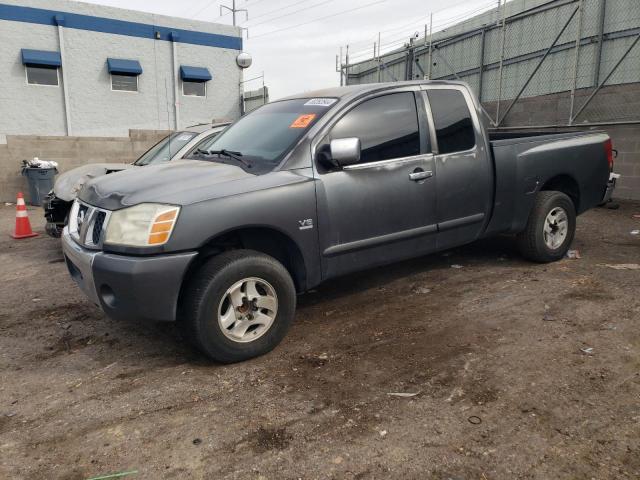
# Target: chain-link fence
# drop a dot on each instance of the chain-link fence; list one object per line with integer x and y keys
{"x": 558, "y": 63}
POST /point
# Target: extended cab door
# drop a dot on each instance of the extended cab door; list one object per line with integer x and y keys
{"x": 383, "y": 208}
{"x": 462, "y": 164}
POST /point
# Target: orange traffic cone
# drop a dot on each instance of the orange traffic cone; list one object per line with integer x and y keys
{"x": 23, "y": 227}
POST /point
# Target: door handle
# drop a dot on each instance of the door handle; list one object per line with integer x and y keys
{"x": 418, "y": 175}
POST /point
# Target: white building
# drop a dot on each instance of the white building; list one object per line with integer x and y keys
{"x": 72, "y": 68}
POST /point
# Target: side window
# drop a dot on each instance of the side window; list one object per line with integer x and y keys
{"x": 453, "y": 124}
{"x": 205, "y": 144}
{"x": 387, "y": 127}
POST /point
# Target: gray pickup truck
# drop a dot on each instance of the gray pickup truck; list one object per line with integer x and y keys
{"x": 319, "y": 185}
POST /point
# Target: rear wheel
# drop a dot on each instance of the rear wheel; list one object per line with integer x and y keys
{"x": 239, "y": 305}
{"x": 550, "y": 228}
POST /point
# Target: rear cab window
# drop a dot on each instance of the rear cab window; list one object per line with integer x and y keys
{"x": 452, "y": 121}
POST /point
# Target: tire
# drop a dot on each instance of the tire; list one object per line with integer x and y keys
{"x": 209, "y": 306}
{"x": 537, "y": 245}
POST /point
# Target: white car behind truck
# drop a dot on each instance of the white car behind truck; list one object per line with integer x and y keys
{"x": 57, "y": 203}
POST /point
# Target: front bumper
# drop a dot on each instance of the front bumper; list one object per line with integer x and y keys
{"x": 128, "y": 287}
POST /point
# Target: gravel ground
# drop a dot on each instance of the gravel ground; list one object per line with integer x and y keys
{"x": 515, "y": 371}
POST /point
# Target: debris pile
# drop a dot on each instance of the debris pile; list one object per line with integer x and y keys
{"x": 37, "y": 163}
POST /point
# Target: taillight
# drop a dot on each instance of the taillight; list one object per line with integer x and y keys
{"x": 608, "y": 150}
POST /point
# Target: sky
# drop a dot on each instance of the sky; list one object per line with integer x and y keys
{"x": 295, "y": 42}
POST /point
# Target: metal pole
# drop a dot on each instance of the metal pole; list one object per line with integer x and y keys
{"x": 176, "y": 94}
{"x": 502, "y": 42}
{"x": 65, "y": 85}
{"x": 615, "y": 67}
{"x": 375, "y": 51}
{"x": 481, "y": 74}
{"x": 379, "y": 48}
{"x": 596, "y": 72}
{"x": 341, "y": 71}
{"x": 430, "y": 45}
{"x": 417, "y": 61}
{"x": 576, "y": 59}
{"x": 234, "y": 11}
{"x": 346, "y": 67}
{"x": 535, "y": 70}
{"x": 408, "y": 70}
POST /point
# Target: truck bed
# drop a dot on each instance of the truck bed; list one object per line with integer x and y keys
{"x": 526, "y": 163}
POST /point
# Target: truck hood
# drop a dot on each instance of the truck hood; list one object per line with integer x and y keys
{"x": 180, "y": 182}
{"x": 70, "y": 183}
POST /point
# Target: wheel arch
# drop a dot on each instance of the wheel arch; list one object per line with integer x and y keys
{"x": 267, "y": 240}
{"x": 566, "y": 184}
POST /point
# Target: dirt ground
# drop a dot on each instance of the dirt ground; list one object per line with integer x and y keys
{"x": 521, "y": 371}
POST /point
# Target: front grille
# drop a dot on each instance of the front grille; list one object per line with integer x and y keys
{"x": 96, "y": 235}
{"x": 87, "y": 224}
{"x": 82, "y": 215}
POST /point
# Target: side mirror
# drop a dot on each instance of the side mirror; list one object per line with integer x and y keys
{"x": 345, "y": 151}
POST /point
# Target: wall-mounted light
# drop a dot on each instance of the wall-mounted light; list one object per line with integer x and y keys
{"x": 244, "y": 60}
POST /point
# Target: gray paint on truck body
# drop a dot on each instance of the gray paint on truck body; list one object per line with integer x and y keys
{"x": 364, "y": 216}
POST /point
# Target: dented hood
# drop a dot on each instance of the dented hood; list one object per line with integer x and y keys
{"x": 70, "y": 183}
{"x": 180, "y": 182}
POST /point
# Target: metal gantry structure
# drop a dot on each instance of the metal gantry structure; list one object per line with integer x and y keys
{"x": 571, "y": 51}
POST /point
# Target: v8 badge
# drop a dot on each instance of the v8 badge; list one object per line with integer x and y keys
{"x": 306, "y": 224}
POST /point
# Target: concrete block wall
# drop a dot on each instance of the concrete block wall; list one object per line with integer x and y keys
{"x": 69, "y": 152}
{"x": 616, "y": 102}
{"x": 626, "y": 139}
{"x": 613, "y": 103}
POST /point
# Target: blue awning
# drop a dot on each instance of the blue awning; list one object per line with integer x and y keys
{"x": 124, "y": 67}
{"x": 195, "y": 74}
{"x": 41, "y": 58}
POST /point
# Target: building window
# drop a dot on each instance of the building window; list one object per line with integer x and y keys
{"x": 124, "y": 74}
{"x": 194, "y": 89}
{"x": 40, "y": 75}
{"x": 41, "y": 66}
{"x": 194, "y": 80}
{"x": 124, "y": 83}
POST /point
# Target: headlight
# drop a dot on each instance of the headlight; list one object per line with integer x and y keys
{"x": 145, "y": 225}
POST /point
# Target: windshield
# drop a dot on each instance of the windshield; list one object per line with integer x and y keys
{"x": 265, "y": 135}
{"x": 165, "y": 149}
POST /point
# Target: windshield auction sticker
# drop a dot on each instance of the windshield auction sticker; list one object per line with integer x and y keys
{"x": 321, "y": 102}
{"x": 303, "y": 121}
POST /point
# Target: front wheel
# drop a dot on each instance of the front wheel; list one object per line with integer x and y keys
{"x": 53, "y": 229}
{"x": 239, "y": 305}
{"x": 550, "y": 228}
